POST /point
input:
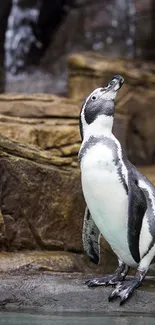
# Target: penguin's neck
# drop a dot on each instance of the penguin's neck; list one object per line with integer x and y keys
{"x": 101, "y": 126}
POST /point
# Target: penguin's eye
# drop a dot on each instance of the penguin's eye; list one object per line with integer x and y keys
{"x": 93, "y": 98}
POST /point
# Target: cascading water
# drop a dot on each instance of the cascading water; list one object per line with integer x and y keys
{"x": 114, "y": 35}
{"x": 20, "y": 36}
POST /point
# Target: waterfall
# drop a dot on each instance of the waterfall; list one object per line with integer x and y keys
{"x": 20, "y": 35}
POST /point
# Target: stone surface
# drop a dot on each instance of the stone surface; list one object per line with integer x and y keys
{"x": 41, "y": 205}
{"x": 35, "y": 261}
{"x": 31, "y": 261}
{"x": 48, "y": 136}
{"x": 48, "y": 293}
{"x": 48, "y": 121}
{"x": 38, "y": 106}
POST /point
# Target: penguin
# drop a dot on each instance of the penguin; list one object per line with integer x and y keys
{"x": 120, "y": 200}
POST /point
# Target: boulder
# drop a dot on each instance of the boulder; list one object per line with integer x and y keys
{"x": 41, "y": 204}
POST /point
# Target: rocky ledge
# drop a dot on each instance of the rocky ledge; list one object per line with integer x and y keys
{"x": 51, "y": 292}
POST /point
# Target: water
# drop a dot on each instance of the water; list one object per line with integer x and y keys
{"x": 75, "y": 319}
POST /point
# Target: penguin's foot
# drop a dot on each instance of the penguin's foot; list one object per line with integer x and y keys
{"x": 113, "y": 279}
{"x": 105, "y": 281}
{"x": 124, "y": 290}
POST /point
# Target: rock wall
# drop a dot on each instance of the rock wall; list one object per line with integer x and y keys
{"x": 50, "y": 122}
{"x": 47, "y": 121}
{"x": 41, "y": 205}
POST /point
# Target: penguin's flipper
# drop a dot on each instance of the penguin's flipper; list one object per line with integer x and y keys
{"x": 136, "y": 209}
{"x": 91, "y": 238}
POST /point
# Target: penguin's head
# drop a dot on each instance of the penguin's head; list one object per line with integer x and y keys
{"x": 99, "y": 105}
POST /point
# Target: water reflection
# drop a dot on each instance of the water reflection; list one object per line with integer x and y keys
{"x": 74, "y": 319}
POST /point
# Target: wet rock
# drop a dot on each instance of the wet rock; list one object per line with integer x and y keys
{"x": 51, "y": 293}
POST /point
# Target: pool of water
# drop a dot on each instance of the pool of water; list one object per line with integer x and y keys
{"x": 75, "y": 319}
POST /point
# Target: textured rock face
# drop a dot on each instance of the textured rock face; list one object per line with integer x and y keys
{"x": 41, "y": 205}
{"x": 37, "y": 260}
{"x": 48, "y": 121}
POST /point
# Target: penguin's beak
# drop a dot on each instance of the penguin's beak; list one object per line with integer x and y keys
{"x": 115, "y": 84}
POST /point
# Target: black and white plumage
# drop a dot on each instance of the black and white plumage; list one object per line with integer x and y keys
{"x": 120, "y": 200}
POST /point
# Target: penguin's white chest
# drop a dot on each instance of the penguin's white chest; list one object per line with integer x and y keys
{"x": 106, "y": 198}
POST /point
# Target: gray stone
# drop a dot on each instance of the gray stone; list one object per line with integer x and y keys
{"x": 67, "y": 292}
